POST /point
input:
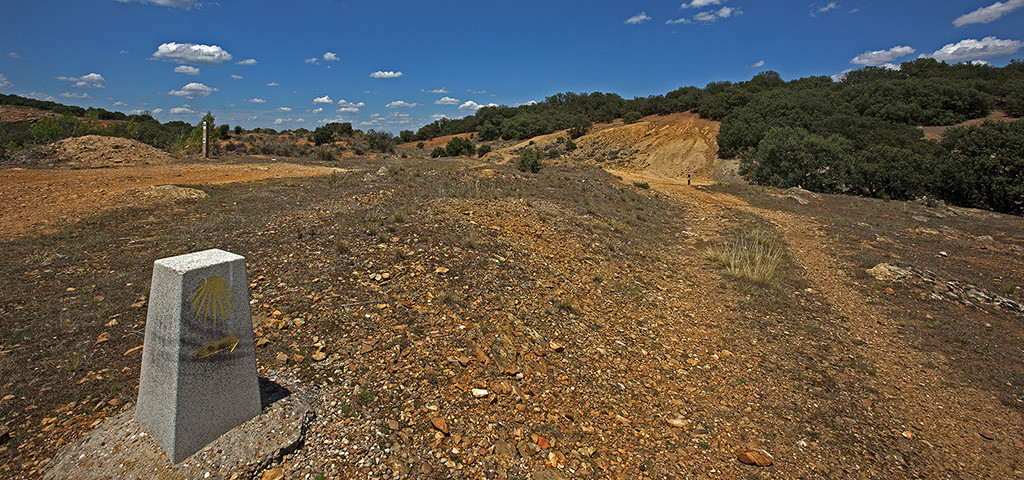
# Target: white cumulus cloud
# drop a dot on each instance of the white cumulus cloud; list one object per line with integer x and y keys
{"x": 387, "y": 74}
{"x": 473, "y": 106}
{"x": 830, "y": 6}
{"x": 446, "y": 101}
{"x": 191, "y": 53}
{"x": 186, "y": 4}
{"x": 312, "y": 60}
{"x": 972, "y": 49}
{"x": 284, "y": 109}
{"x": 331, "y": 57}
{"x": 182, "y": 110}
{"x": 437, "y": 90}
{"x": 273, "y": 84}
{"x": 401, "y": 103}
{"x": 757, "y": 64}
{"x": 346, "y": 103}
{"x": 237, "y": 77}
{"x": 156, "y": 111}
{"x": 4, "y": 82}
{"x": 75, "y": 95}
{"x": 119, "y": 104}
{"x": 186, "y": 69}
{"x": 701, "y": 3}
{"x": 92, "y": 80}
{"x": 247, "y": 62}
{"x": 878, "y": 57}
{"x": 348, "y": 110}
{"x": 637, "y": 19}
{"x": 683, "y": 20}
{"x": 712, "y": 15}
{"x": 317, "y": 110}
{"x": 988, "y": 14}
{"x": 257, "y": 100}
{"x": 323, "y": 99}
{"x": 193, "y": 90}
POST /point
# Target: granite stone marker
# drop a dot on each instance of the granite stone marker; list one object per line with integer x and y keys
{"x": 198, "y": 376}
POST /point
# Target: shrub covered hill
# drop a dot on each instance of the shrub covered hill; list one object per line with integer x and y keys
{"x": 857, "y": 136}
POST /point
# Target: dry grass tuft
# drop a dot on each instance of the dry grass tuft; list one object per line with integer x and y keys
{"x": 753, "y": 254}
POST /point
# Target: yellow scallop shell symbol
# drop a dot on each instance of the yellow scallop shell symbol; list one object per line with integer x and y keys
{"x": 212, "y": 299}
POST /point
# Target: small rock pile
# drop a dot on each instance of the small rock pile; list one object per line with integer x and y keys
{"x": 955, "y": 290}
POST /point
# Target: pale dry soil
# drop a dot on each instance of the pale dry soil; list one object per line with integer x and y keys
{"x": 38, "y": 200}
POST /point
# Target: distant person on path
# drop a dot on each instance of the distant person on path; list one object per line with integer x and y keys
{"x": 688, "y": 177}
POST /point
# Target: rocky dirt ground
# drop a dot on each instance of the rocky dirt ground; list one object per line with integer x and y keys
{"x": 459, "y": 319}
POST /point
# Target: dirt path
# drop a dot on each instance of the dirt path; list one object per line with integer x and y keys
{"x": 41, "y": 200}
{"x": 917, "y": 402}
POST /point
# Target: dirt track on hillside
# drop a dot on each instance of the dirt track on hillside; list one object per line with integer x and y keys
{"x": 42, "y": 200}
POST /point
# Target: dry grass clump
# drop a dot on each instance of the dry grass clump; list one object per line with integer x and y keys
{"x": 753, "y": 254}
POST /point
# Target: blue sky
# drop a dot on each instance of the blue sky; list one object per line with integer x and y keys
{"x": 395, "y": 65}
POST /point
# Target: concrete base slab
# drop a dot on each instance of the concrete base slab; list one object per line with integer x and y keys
{"x": 120, "y": 448}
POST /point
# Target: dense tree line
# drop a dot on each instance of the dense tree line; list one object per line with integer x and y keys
{"x": 858, "y": 135}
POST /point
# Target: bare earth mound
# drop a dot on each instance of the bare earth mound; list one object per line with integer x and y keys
{"x": 94, "y": 151}
{"x": 663, "y": 146}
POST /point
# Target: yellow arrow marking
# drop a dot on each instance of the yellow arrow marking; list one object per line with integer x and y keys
{"x": 228, "y": 343}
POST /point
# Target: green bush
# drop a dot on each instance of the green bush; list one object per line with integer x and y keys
{"x": 420, "y": 145}
{"x": 438, "y": 152}
{"x": 459, "y": 146}
{"x": 324, "y": 154}
{"x": 570, "y": 146}
{"x": 529, "y": 160}
{"x": 632, "y": 117}
{"x": 483, "y": 150}
{"x": 47, "y": 130}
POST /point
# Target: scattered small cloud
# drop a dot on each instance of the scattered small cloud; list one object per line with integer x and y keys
{"x": 273, "y": 84}
{"x": 182, "y": 110}
{"x": 323, "y": 99}
{"x": 92, "y": 80}
{"x": 284, "y": 109}
{"x": 988, "y": 14}
{"x": 4, "y": 82}
{"x": 331, "y": 57}
{"x": 237, "y": 77}
{"x": 348, "y": 110}
{"x": 281, "y": 120}
{"x": 317, "y": 110}
{"x": 186, "y": 69}
{"x": 437, "y": 116}
{"x": 757, "y": 64}
{"x": 447, "y": 101}
{"x": 257, "y": 100}
{"x": 120, "y": 104}
{"x": 473, "y": 106}
{"x": 441, "y": 90}
{"x": 346, "y": 103}
{"x": 878, "y": 57}
{"x": 388, "y": 74}
{"x": 683, "y": 20}
{"x": 191, "y": 53}
{"x": 972, "y": 49}
{"x": 700, "y": 3}
{"x": 401, "y": 104}
{"x": 75, "y": 95}
{"x": 979, "y": 63}
{"x": 476, "y": 92}
{"x": 193, "y": 90}
{"x": 41, "y": 96}
{"x": 247, "y": 62}
{"x": 156, "y": 111}
{"x": 826, "y": 8}
{"x": 713, "y": 15}
{"x": 637, "y": 19}
{"x": 531, "y": 102}
{"x": 15, "y": 55}
{"x": 186, "y": 4}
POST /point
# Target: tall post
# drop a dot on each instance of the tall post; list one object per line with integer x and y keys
{"x": 204, "y": 140}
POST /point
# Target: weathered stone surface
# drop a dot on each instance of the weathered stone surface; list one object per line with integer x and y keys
{"x": 198, "y": 377}
{"x": 121, "y": 448}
